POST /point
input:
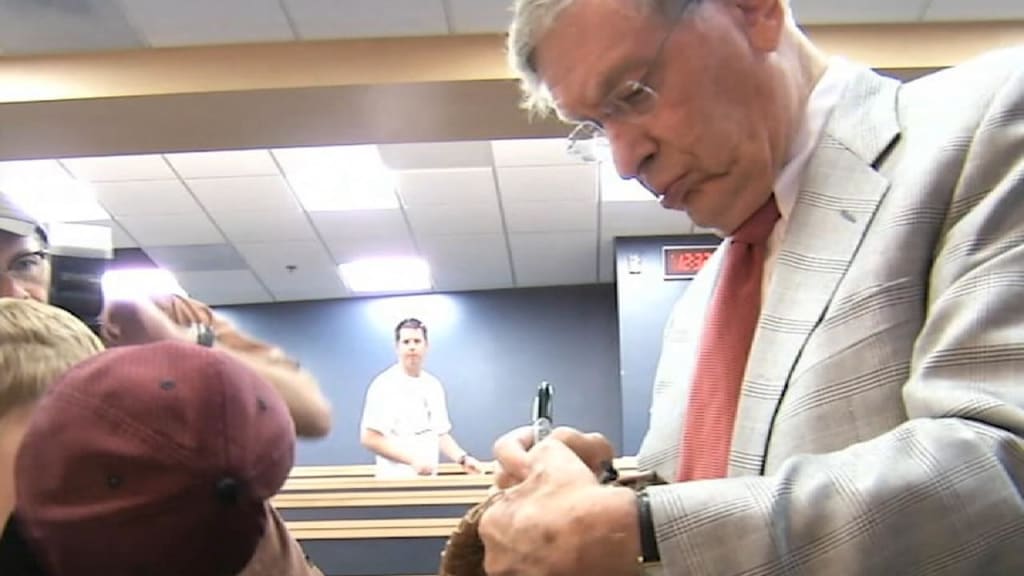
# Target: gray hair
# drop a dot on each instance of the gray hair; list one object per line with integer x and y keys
{"x": 533, "y": 18}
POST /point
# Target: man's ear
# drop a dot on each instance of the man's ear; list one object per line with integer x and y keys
{"x": 763, "y": 21}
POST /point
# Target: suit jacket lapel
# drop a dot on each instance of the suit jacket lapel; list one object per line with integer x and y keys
{"x": 839, "y": 193}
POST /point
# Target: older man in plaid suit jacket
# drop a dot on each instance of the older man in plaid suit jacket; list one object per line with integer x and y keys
{"x": 880, "y": 422}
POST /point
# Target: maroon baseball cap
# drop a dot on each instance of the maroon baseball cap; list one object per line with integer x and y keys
{"x": 156, "y": 459}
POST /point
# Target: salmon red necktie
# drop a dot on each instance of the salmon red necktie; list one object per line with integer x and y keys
{"x": 722, "y": 357}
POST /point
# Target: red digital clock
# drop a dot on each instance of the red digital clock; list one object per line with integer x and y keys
{"x": 685, "y": 261}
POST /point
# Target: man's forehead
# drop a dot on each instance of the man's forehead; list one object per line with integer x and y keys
{"x": 589, "y": 45}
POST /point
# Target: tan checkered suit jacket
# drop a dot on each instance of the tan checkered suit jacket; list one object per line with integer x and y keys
{"x": 881, "y": 422}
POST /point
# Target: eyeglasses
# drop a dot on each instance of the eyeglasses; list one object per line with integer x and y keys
{"x": 28, "y": 269}
{"x": 632, "y": 100}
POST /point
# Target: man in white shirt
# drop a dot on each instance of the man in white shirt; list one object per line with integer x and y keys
{"x": 405, "y": 417}
{"x": 876, "y": 425}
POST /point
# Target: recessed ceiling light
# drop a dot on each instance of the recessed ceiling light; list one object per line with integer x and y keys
{"x": 337, "y": 178}
{"x": 386, "y": 275}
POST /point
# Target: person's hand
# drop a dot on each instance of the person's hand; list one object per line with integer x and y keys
{"x": 423, "y": 467}
{"x": 471, "y": 465}
{"x": 558, "y": 521}
{"x": 513, "y": 457}
{"x": 131, "y": 322}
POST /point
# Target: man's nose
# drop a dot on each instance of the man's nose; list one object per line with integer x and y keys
{"x": 631, "y": 148}
{"x": 11, "y": 288}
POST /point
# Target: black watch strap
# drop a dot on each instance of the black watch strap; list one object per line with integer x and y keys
{"x": 648, "y": 541}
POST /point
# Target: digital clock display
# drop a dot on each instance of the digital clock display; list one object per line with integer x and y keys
{"x": 685, "y": 261}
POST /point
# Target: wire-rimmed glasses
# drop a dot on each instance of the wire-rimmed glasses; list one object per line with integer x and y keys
{"x": 631, "y": 100}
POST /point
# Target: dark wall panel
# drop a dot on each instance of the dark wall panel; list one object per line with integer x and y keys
{"x": 490, "y": 350}
{"x": 645, "y": 300}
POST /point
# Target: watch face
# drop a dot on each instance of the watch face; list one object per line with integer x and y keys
{"x": 205, "y": 336}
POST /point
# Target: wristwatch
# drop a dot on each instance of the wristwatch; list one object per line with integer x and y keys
{"x": 649, "y": 554}
{"x": 462, "y": 459}
{"x": 204, "y": 335}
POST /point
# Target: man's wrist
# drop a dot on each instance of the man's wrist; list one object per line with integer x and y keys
{"x": 620, "y": 517}
{"x": 461, "y": 460}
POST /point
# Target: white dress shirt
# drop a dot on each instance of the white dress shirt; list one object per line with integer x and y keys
{"x": 822, "y": 101}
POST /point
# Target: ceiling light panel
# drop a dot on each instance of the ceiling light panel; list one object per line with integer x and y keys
{"x": 338, "y": 178}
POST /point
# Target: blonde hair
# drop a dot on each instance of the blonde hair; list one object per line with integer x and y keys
{"x": 38, "y": 343}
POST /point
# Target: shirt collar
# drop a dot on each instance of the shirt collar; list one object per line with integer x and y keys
{"x": 820, "y": 104}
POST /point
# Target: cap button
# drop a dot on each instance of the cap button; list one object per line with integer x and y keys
{"x": 227, "y": 490}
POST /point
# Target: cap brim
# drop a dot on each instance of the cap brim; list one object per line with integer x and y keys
{"x": 19, "y": 227}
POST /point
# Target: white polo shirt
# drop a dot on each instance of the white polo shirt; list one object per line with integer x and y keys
{"x": 409, "y": 410}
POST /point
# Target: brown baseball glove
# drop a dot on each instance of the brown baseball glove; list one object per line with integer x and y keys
{"x": 463, "y": 554}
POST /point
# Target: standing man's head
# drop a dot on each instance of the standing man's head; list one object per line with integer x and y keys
{"x": 24, "y": 266}
{"x": 698, "y": 99}
{"x": 411, "y": 345}
{"x": 38, "y": 343}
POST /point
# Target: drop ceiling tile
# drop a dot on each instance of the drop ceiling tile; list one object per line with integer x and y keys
{"x": 455, "y": 219}
{"x": 532, "y": 152}
{"x": 145, "y": 198}
{"x": 328, "y": 290}
{"x": 468, "y": 262}
{"x": 547, "y": 183}
{"x": 191, "y": 22}
{"x": 256, "y": 227}
{"x": 119, "y": 168}
{"x": 223, "y": 164}
{"x": 196, "y": 258}
{"x": 224, "y": 287}
{"x": 614, "y": 188}
{"x": 356, "y": 223}
{"x": 45, "y": 190}
{"x": 25, "y": 172}
{"x": 479, "y": 16}
{"x": 553, "y": 216}
{"x": 436, "y": 155}
{"x": 314, "y": 274}
{"x": 864, "y": 11}
{"x": 642, "y": 219}
{"x": 171, "y": 230}
{"x": 961, "y": 10}
{"x": 120, "y": 237}
{"x": 257, "y": 193}
{"x": 428, "y": 187}
{"x": 366, "y": 18}
{"x": 381, "y": 246}
{"x": 312, "y": 159}
{"x": 549, "y": 259}
{"x": 40, "y": 27}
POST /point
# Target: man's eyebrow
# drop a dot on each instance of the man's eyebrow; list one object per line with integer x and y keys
{"x": 18, "y": 255}
{"x": 610, "y": 79}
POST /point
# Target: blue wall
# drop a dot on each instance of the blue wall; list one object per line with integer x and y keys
{"x": 490, "y": 350}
